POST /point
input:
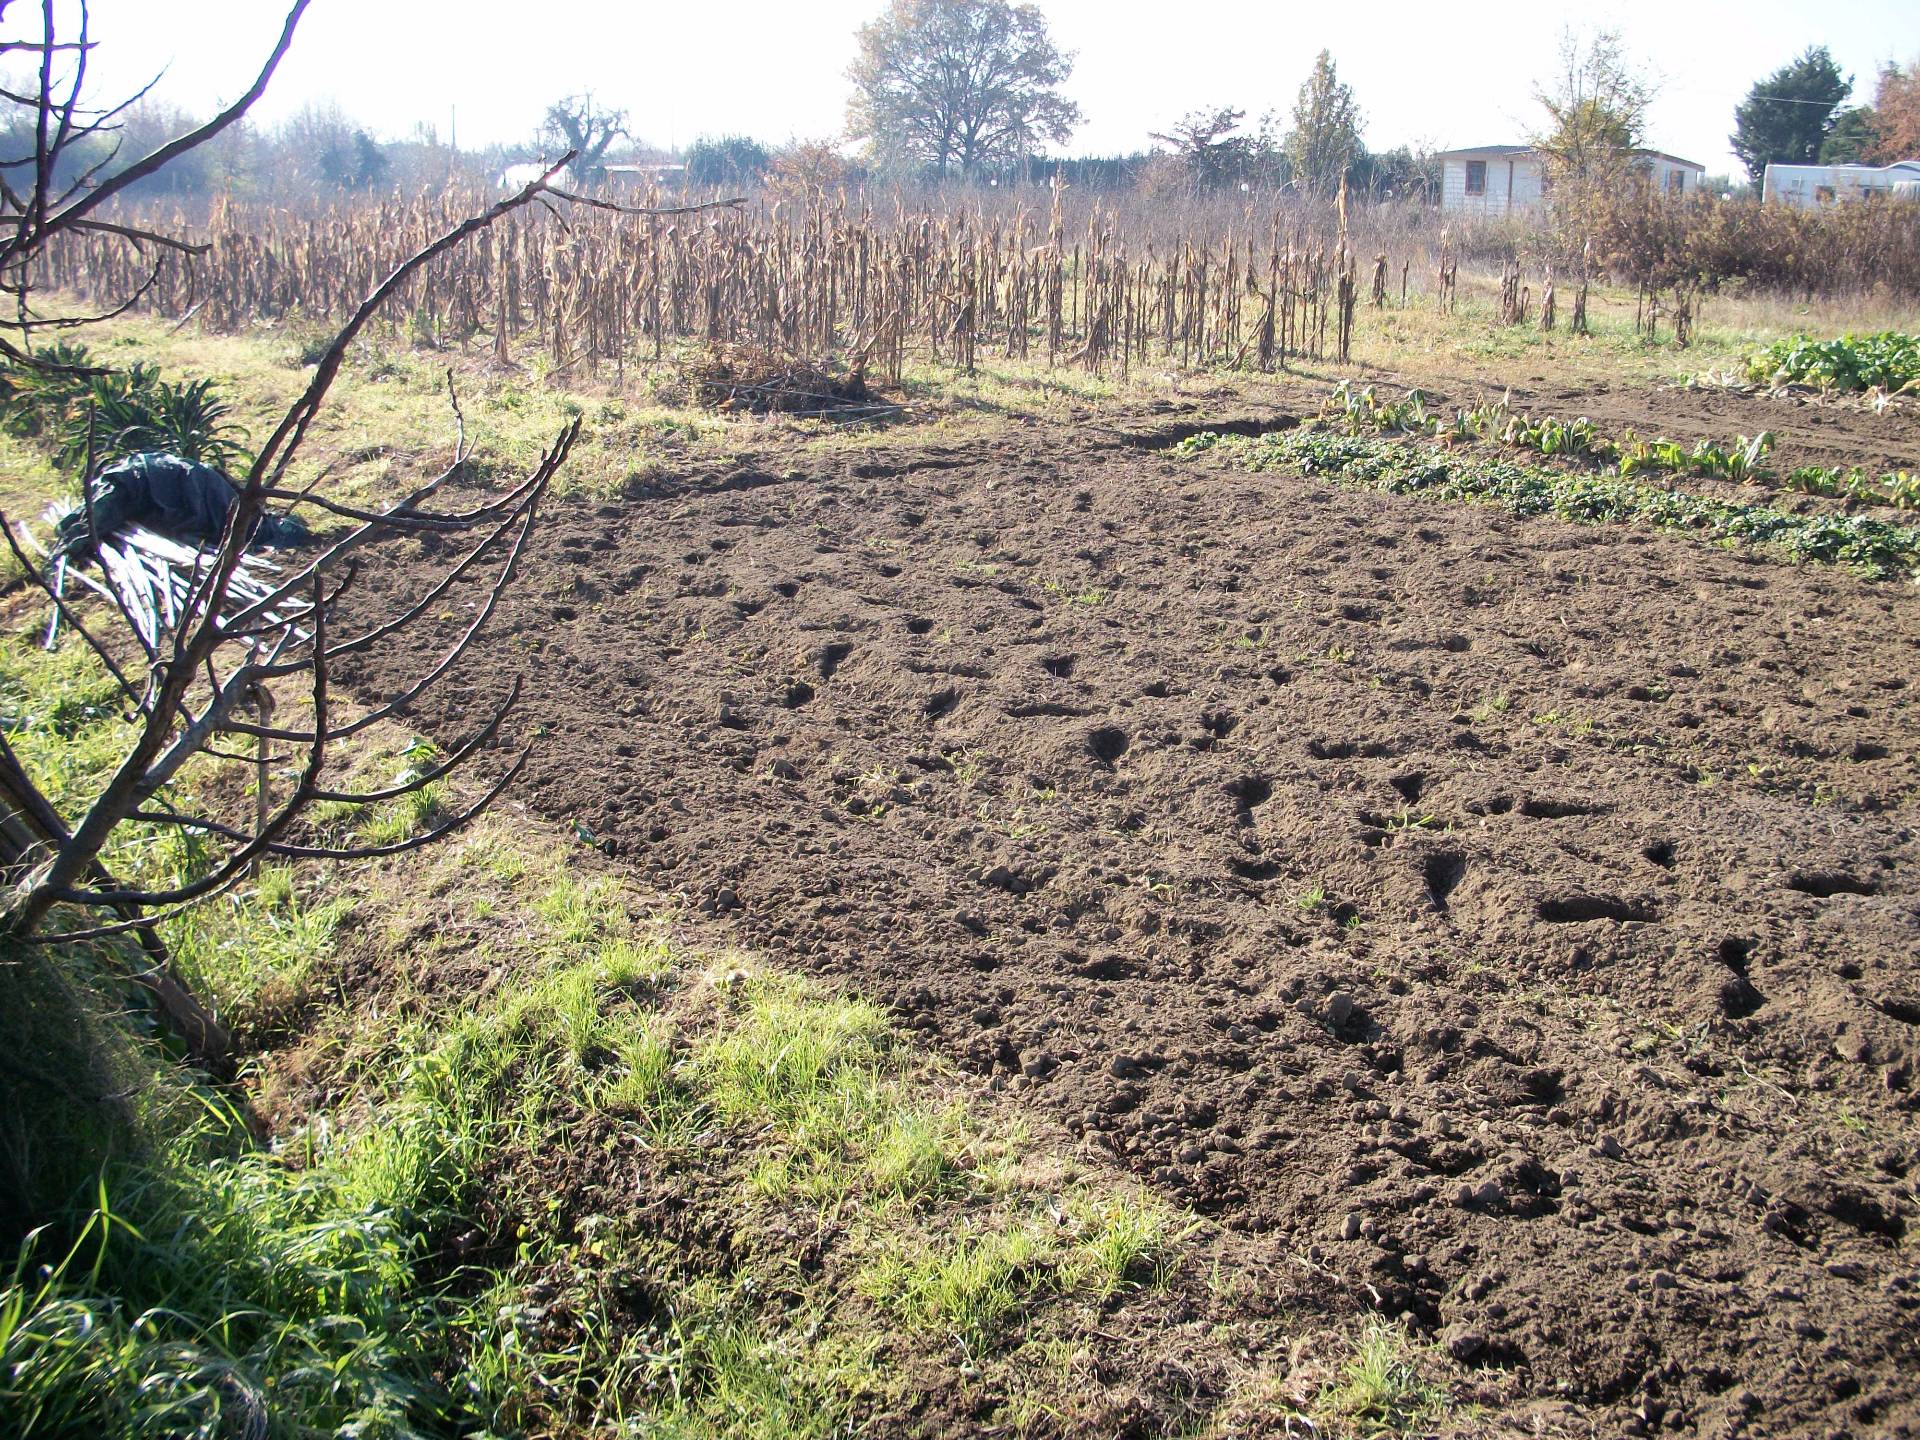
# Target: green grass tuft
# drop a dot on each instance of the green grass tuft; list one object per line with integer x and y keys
{"x": 1380, "y": 1390}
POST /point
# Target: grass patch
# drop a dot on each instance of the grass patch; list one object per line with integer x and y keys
{"x": 171, "y": 1277}
{"x": 822, "y": 1075}
{"x": 256, "y": 948}
{"x": 970, "y": 1287}
{"x": 972, "y": 1279}
{"x": 1126, "y": 1242}
{"x": 1380, "y": 1390}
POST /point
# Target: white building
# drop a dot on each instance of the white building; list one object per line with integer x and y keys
{"x": 1511, "y": 179}
{"x": 518, "y": 177}
{"x": 1491, "y": 180}
{"x": 1809, "y": 186}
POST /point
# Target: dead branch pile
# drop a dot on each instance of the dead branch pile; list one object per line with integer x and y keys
{"x": 760, "y": 381}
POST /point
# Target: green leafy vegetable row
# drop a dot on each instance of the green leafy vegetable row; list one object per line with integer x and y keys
{"x": 1898, "y": 488}
{"x": 1873, "y": 546}
{"x": 1887, "y": 361}
{"x": 1361, "y": 412}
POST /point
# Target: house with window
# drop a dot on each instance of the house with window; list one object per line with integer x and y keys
{"x": 1810, "y": 187}
{"x": 1512, "y": 179}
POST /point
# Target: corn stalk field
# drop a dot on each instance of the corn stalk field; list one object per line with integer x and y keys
{"x": 837, "y": 278}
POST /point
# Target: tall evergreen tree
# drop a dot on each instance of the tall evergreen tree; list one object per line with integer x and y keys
{"x": 1786, "y": 117}
{"x": 1852, "y": 138}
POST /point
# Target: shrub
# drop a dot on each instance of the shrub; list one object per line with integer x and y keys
{"x": 731, "y": 161}
{"x": 77, "y": 408}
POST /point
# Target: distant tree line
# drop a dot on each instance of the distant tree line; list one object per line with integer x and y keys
{"x": 971, "y": 90}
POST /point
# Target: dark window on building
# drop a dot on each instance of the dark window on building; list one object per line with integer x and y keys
{"x": 1476, "y": 177}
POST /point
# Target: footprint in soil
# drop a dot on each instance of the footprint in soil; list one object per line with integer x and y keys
{"x": 1573, "y": 909}
{"x": 1059, "y": 666}
{"x": 1825, "y": 884}
{"x": 832, "y": 657}
{"x": 1544, "y": 809}
{"x": 1736, "y": 995}
{"x": 1108, "y": 744}
{"x": 1250, "y": 792}
{"x": 1348, "y": 749}
{"x": 1215, "y": 726}
{"x": 1444, "y": 871}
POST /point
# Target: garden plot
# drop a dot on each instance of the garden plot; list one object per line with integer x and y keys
{"x": 1520, "y": 917}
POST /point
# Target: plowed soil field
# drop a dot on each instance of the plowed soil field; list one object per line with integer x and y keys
{"x": 1521, "y": 919}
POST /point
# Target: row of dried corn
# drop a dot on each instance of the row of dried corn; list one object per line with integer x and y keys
{"x": 595, "y": 288}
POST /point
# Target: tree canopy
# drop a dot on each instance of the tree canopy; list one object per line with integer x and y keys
{"x": 1596, "y": 104}
{"x": 1325, "y": 140}
{"x": 1896, "y": 113}
{"x": 728, "y": 160}
{"x": 1208, "y": 147}
{"x": 955, "y": 85}
{"x": 581, "y": 124}
{"x": 1787, "y": 117}
{"x": 1852, "y": 138}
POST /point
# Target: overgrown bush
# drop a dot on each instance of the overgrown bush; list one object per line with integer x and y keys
{"x": 1659, "y": 241}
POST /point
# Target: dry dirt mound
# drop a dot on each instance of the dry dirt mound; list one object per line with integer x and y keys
{"x": 1522, "y": 918}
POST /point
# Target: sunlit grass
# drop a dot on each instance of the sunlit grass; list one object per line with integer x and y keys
{"x": 1380, "y": 1390}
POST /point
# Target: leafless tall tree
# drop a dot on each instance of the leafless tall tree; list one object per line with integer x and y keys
{"x": 586, "y": 129}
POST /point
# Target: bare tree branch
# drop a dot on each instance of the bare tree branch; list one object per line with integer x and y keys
{"x": 193, "y": 139}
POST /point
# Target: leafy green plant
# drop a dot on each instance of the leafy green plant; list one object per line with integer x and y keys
{"x": 1889, "y": 360}
{"x": 1651, "y": 457}
{"x": 116, "y": 412}
{"x": 37, "y": 398}
{"x": 1741, "y": 462}
{"x": 136, "y": 410}
{"x": 1363, "y": 412}
{"x": 1898, "y": 488}
{"x": 1873, "y": 546}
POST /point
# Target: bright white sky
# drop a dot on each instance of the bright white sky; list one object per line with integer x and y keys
{"x": 775, "y": 69}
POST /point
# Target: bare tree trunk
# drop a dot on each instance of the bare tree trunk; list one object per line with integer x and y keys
{"x": 29, "y": 829}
